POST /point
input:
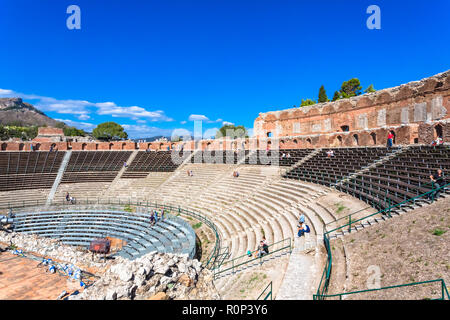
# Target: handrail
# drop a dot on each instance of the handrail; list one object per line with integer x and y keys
{"x": 147, "y": 204}
{"x": 249, "y": 258}
{"x": 325, "y": 279}
{"x": 269, "y": 294}
{"x": 444, "y": 291}
{"x": 432, "y": 191}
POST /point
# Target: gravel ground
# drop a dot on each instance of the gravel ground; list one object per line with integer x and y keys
{"x": 409, "y": 248}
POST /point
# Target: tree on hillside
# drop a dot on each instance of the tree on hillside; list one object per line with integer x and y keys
{"x": 370, "y": 89}
{"x": 232, "y": 131}
{"x": 322, "y": 95}
{"x": 350, "y": 88}
{"x": 307, "y": 102}
{"x": 109, "y": 131}
{"x": 336, "y": 96}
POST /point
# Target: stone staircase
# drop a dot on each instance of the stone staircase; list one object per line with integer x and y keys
{"x": 59, "y": 176}
{"x": 283, "y": 171}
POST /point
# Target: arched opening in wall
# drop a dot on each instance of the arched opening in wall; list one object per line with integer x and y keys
{"x": 355, "y": 140}
{"x": 21, "y": 146}
{"x": 37, "y": 147}
{"x": 281, "y": 143}
{"x": 4, "y": 146}
{"x": 161, "y": 146}
{"x": 111, "y": 146}
{"x": 124, "y": 145}
{"x": 308, "y": 142}
{"x": 208, "y": 145}
{"x": 96, "y": 146}
{"x": 438, "y": 131}
{"x": 149, "y": 146}
{"x": 269, "y": 145}
{"x": 172, "y": 146}
{"x": 83, "y": 146}
{"x": 373, "y": 135}
{"x": 416, "y": 140}
{"x": 339, "y": 139}
{"x": 269, "y": 134}
{"x": 295, "y": 141}
{"x": 345, "y": 128}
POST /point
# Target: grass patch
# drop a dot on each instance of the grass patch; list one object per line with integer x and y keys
{"x": 197, "y": 225}
{"x": 340, "y": 207}
{"x": 438, "y": 232}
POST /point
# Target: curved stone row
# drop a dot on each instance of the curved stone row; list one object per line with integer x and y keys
{"x": 80, "y": 227}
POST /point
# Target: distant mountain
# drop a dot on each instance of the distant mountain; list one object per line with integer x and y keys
{"x": 15, "y": 111}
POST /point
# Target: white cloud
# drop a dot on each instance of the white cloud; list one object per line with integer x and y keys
{"x": 198, "y": 117}
{"x": 82, "y": 107}
{"x": 183, "y": 122}
{"x": 83, "y": 117}
{"x": 201, "y": 117}
{"x": 80, "y": 125}
{"x": 5, "y": 92}
{"x": 226, "y": 123}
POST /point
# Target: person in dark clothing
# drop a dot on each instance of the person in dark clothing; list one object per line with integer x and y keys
{"x": 437, "y": 180}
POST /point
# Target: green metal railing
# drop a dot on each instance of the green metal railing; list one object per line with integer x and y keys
{"x": 233, "y": 264}
{"x": 444, "y": 291}
{"x": 387, "y": 210}
{"x": 267, "y": 292}
{"x": 322, "y": 289}
{"x": 171, "y": 208}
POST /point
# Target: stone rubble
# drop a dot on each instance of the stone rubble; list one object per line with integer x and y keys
{"x": 154, "y": 276}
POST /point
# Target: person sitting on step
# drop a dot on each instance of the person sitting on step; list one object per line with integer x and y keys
{"x": 302, "y": 228}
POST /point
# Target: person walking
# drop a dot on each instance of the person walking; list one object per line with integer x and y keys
{"x": 390, "y": 139}
{"x": 437, "y": 181}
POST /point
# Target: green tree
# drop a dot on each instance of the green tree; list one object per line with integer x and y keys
{"x": 109, "y": 131}
{"x": 370, "y": 89}
{"x": 307, "y": 102}
{"x": 336, "y": 96}
{"x": 74, "y": 132}
{"x": 350, "y": 88}
{"x": 322, "y": 95}
{"x": 230, "y": 130}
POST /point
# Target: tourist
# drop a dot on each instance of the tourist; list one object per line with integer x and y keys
{"x": 301, "y": 219}
{"x": 288, "y": 155}
{"x": 437, "y": 142}
{"x": 67, "y": 196}
{"x": 249, "y": 253}
{"x": 152, "y": 218}
{"x": 260, "y": 251}
{"x": 283, "y": 155}
{"x": 390, "y": 139}
{"x": 330, "y": 153}
{"x": 156, "y": 216}
{"x": 302, "y": 228}
{"x": 125, "y": 164}
{"x": 265, "y": 245}
{"x": 437, "y": 181}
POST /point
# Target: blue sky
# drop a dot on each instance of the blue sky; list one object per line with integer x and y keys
{"x": 154, "y": 66}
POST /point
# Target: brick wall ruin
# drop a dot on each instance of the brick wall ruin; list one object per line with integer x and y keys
{"x": 411, "y": 110}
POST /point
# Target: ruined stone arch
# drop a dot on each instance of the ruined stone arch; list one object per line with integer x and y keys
{"x": 356, "y": 139}
{"x": 373, "y": 135}
{"x": 438, "y": 131}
